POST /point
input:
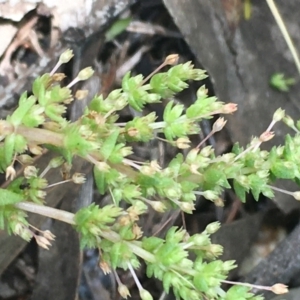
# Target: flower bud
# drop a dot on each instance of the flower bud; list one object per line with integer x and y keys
{"x": 78, "y": 178}
{"x": 207, "y": 151}
{"x": 66, "y": 56}
{"x": 243, "y": 180}
{"x": 56, "y": 162}
{"x": 147, "y": 170}
{"x": 192, "y": 155}
{"x": 183, "y": 143}
{"x": 216, "y": 249}
{"x": 187, "y": 207}
{"x": 197, "y": 74}
{"x": 125, "y": 151}
{"x": 10, "y": 173}
{"x": 22, "y": 231}
{"x": 25, "y": 159}
{"x": 102, "y": 166}
{"x": 85, "y": 74}
{"x": 30, "y": 171}
{"x": 94, "y": 230}
{"x": 132, "y": 132}
{"x": 218, "y": 125}
{"x": 289, "y": 121}
{"x": 172, "y": 59}
{"x": 228, "y": 158}
{"x": 173, "y": 193}
{"x": 18, "y": 228}
{"x": 138, "y": 208}
{"x": 68, "y": 100}
{"x": 81, "y": 94}
{"x": 279, "y": 288}
{"x": 104, "y": 267}
{"x": 137, "y": 231}
{"x": 125, "y": 220}
{"x": 35, "y": 149}
{"x": 210, "y": 195}
{"x": 266, "y": 136}
{"x": 202, "y": 91}
{"x": 228, "y": 265}
{"x": 48, "y": 235}
{"x": 123, "y": 291}
{"x": 53, "y": 126}
{"x": 200, "y": 239}
{"x": 145, "y": 295}
{"x": 58, "y": 76}
{"x": 158, "y": 206}
{"x": 296, "y": 195}
{"x": 41, "y": 194}
{"x": 42, "y": 242}
{"x": 194, "y": 169}
{"x": 219, "y": 202}
{"x": 40, "y": 183}
{"x": 121, "y": 102}
{"x": 212, "y": 227}
{"x": 278, "y": 115}
{"x": 228, "y": 108}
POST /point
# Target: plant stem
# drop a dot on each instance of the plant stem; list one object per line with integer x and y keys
{"x": 284, "y": 32}
{"x": 41, "y": 136}
{"x": 145, "y": 255}
{"x": 47, "y": 211}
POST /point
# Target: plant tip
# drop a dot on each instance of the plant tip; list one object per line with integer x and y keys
{"x": 172, "y": 59}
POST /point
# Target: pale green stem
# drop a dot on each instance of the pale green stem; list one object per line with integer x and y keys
{"x": 280, "y": 190}
{"x": 145, "y": 255}
{"x": 260, "y": 287}
{"x": 284, "y": 32}
{"x": 40, "y": 136}
{"x": 58, "y": 183}
{"x": 47, "y": 211}
{"x": 158, "y": 125}
{"x": 136, "y": 280}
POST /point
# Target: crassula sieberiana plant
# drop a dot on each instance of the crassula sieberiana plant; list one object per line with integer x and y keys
{"x": 99, "y": 138}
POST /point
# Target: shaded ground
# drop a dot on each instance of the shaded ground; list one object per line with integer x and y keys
{"x": 240, "y": 57}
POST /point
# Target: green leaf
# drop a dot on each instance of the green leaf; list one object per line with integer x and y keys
{"x": 117, "y": 28}
{"x": 174, "y": 235}
{"x": 257, "y": 185}
{"x": 214, "y": 177}
{"x": 55, "y": 111}
{"x": 100, "y": 181}
{"x": 280, "y": 82}
{"x": 237, "y": 292}
{"x": 152, "y": 243}
{"x": 172, "y": 112}
{"x": 109, "y": 144}
{"x": 200, "y": 282}
{"x": 284, "y": 169}
{"x": 8, "y": 197}
{"x": 167, "y": 281}
{"x": 240, "y": 191}
{"x": 159, "y": 85}
{"x": 20, "y": 143}
{"x": 23, "y": 108}
{"x": 40, "y": 85}
{"x": 9, "y": 146}
{"x": 117, "y": 252}
{"x": 202, "y": 107}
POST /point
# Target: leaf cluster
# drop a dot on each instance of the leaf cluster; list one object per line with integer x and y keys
{"x": 115, "y": 229}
